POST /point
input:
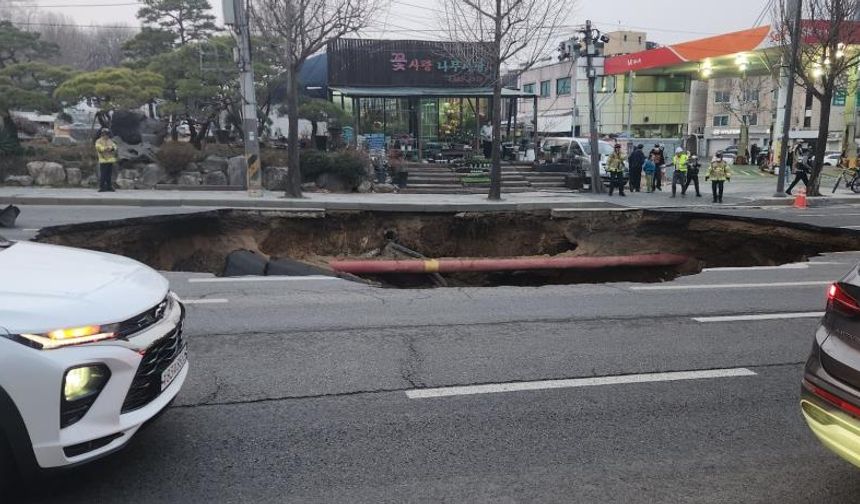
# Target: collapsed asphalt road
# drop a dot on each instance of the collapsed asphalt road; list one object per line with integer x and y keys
{"x": 302, "y": 391}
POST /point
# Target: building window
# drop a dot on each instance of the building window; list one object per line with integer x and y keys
{"x": 721, "y": 120}
{"x": 658, "y": 84}
{"x": 721, "y": 97}
{"x": 751, "y": 96}
{"x": 605, "y": 84}
{"x": 545, "y": 89}
{"x": 751, "y": 119}
{"x": 529, "y": 88}
{"x": 562, "y": 86}
{"x": 809, "y": 98}
{"x": 807, "y": 122}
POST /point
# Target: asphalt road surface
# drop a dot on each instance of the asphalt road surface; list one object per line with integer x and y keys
{"x": 319, "y": 390}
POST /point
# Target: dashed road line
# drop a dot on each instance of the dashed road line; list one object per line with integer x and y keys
{"x": 577, "y": 383}
{"x": 727, "y": 286}
{"x": 763, "y": 316}
{"x": 263, "y": 279}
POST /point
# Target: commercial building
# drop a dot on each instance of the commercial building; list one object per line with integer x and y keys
{"x": 423, "y": 98}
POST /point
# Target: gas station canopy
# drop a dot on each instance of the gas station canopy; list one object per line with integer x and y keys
{"x": 753, "y": 52}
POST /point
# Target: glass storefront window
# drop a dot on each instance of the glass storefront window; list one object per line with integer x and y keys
{"x": 371, "y": 115}
{"x": 429, "y": 119}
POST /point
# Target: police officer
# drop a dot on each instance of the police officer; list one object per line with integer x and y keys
{"x": 718, "y": 172}
{"x": 680, "y": 175}
{"x": 615, "y": 168}
{"x": 106, "y": 150}
{"x": 693, "y": 174}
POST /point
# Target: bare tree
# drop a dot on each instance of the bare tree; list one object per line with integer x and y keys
{"x": 83, "y": 48}
{"x": 827, "y": 59}
{"x": 300, "y": 29}
{"x": 746, "y": 102}
{"x": 512, "y": 33}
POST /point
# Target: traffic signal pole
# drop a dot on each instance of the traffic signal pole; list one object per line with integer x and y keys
{"x": 591, "y": 40}
{"x": 787, "y": 83}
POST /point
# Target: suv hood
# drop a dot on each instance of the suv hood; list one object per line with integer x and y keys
{"x": 47, "y": 287}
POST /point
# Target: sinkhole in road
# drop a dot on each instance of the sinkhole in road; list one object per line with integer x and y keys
{"x": 202, "y": 242}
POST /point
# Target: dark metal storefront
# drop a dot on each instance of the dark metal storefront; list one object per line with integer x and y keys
{"x": 421, "y": 97}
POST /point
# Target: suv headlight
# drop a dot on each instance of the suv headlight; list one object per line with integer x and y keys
{"x": 81, "y": 387}
{"x": 68, "y": 336}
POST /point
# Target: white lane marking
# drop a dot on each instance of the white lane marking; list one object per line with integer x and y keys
{"x": 262, "y": 279}
{"x": 30, "y": 230}
{"x": 577, "y": 382}
{"x": 763, "y": 316}
{"x": 760, "y": 268}
{"x": 204, "y": 301}
{"x": 850, "y": 227}
{"x": 727, "y": 286}
{"x": 833, "y": 215}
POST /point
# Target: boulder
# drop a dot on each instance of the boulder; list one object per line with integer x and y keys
{"x": 275, "y": 178}
{"x": 152, "y": 175}
{"x": 236, "y": 173}
{"x": 126, "y": 125}
{"x": 19, "y": 180}
{"x": 91, "y": 181}
{"x": 384, "y": 188}
{"x": 73, "y": 176}
{"x": 46, "y": 173}
{"x": 365, "y": 187}
{"x": 129, "y": 173}
{"x": 333, "y": 183}
{"x": 124, "y": 183}
{"x": 189, "y": 178}
{"x": 63, "y": 140}
{"x": 215, "y": 179}
{"x": 142, "y": 153}
{"x": 213, "y": 164}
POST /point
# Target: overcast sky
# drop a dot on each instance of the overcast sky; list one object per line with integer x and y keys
{"x": 665, "y": 21}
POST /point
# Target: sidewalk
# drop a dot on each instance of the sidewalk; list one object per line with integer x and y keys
{"x": 743, "y": 196}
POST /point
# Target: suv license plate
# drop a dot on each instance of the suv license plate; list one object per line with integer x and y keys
{"x": 173, "y": 369}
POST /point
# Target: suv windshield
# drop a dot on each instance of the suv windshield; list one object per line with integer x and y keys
{"x": 604, "y": 148}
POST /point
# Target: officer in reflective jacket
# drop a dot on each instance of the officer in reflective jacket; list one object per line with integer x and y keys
{"x": 718, "y": 172}
{"x": 615, "y": 168}
{"x": 680, "y": 175}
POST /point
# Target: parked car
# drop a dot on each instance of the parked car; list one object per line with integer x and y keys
{"x": 832, "y": 159}
{"x": 579, "y": 151}
{"x": 729, "y": 158}
{"x": 91, "y": 348}
{"x": 830, "y": 391}
{"x": 731, "y": 149}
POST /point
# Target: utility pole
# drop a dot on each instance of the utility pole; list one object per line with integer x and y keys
{"x": 236, "y": 15}
{"x": 629, "y": 81}
{"x": 787, "y": 83}
{"x": 593, "y": 43}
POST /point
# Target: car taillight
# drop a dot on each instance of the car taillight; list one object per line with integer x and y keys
{"x": 832, "y": 399}
{"x": 842, "y": 302}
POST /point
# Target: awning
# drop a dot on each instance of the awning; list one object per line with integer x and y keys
{"x": 687, "y": 56}
{"x": 404, "y": 92}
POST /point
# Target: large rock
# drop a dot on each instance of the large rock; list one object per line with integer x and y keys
{"x": 63, "y": 140}
{"x": 384, "y": 188}
{"x": 213, "y": 164}
{"x": 215, "y": 179}
{"x": 333, "y": 183}
{"x": 46, "y": 173}
{"x": 126, "y": 125}
{"x": 19, "y": 180}
{"x": 275, "y": 178}
{"x": 124, "y": 183}
{"x": 152, "y": 175}
{"x": 142, "y": 153}
{"x": 73, "y": 176}
{"x": 91, "y": 181}
{"x": 189, "y": 178}
{"x": 129, "y": 173}
{"x": 236, "y": 173}
{"x": 365, "y": 187}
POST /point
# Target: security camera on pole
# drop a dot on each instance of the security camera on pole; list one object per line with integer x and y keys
{"x": 590, "y": 44}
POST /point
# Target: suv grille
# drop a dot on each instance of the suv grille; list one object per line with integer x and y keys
{"x": 146, "y": 385}
{"x": 144, "y": 320}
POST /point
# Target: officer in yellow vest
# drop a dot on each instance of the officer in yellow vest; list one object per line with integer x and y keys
{"x": 680, "y": 175}
{"x": 719, "y": 172}
{"x": 615, "y": 168}
{"x": 106, "y": 150}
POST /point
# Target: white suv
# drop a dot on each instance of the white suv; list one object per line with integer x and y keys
{"x": 91, "y": 348}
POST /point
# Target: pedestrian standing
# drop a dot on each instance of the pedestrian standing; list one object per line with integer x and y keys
{"x": 487, "y": 140}
{"x": 106, "y": 149}
{"x": 649, "y": 168}
{"x": 801, "y": 170}
{"x": 659, "y": 161}
{"x": 693, "y": 174}
{"x": 718, "y": 172}
{"x": 615, "y": 168}
{"x": 680, "y": 175}
{"x": 636, "y": 160}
